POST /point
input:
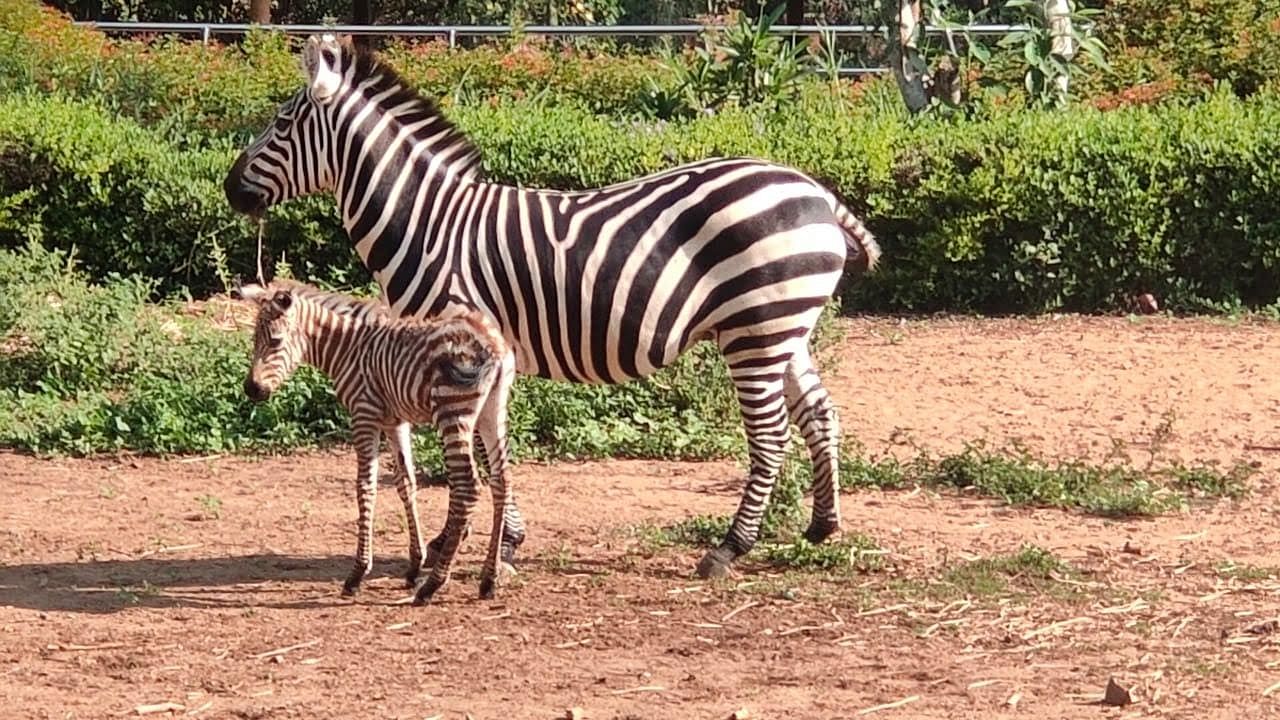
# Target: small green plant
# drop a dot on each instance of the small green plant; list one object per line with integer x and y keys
{"x": 561, "y": 559}
{"x": 134, "y": 594}
{"x": 740, "y": 65}
{"x": 1031, "y": 569}
{"x": 210, "y": 507}
{"x": 1207, "y": 480}
{"x": 1246, "y": 572}
{"x": 1047, "y": 54}
{"x": 851, "y": 553}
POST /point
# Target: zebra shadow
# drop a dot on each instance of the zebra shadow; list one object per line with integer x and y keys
{"x": 243, "y": 581}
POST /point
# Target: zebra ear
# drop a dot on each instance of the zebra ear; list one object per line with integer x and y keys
{"x": 282, "y": 300}
{"x": 321, "y": 57}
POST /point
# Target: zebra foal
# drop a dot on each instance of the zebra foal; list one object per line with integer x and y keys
{"x": 392, "y": 373}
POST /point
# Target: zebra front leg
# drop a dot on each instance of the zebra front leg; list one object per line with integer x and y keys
{"x": 810, "y": 407}
{"x": 764, "y": 413}
{"x": 367, "y": 438}
{"x": 462, "y": 499}
{"x": 407, "y": 486}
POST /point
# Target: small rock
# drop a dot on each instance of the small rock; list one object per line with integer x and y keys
{"x": 1263, "y": 628}
{"x": 1147, "y": 303}
{"x": 1116, "y": 695}
{"x": 573, "y": 713}
{"x": 740, "y": 714}
{"x": 1131, "y": 549}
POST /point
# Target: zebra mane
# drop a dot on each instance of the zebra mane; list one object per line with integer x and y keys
{"x": 369, "y": 66}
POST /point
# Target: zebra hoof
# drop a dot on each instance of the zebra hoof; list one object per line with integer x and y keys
{"x": 428, "y": 588}
{"x": 487, "y": 588}
{"x": 820, "y": 530}
{"x": 352, "y": 585}
{"x": 716, "y": 564}
{"x": 508, "y": 555}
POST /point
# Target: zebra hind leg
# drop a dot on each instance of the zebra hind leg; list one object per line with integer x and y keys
{"x": 810, "y": 407}
{"x": 761, "y": 394}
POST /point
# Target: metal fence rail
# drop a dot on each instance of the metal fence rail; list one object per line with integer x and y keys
{"x": 451, "y": 33}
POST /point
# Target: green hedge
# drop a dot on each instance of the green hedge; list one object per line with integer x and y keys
{"x": 193, "y": 91}
{"x": 1023, "y": 211}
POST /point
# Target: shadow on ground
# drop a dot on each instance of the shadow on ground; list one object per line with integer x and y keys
{"x": 107, "y": 586}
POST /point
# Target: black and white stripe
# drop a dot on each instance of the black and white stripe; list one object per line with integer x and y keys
{"x": 598, "y": 286}
{"x": 390, "y": 373}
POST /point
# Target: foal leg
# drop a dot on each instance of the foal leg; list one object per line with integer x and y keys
{"x": 401, "y": 442}
{"x": 757, "y": 376}
{"x": 462, "y": 499}
{"x": 810, "y": 407}
{"x": 493, "y": 431}
{"x": 367, "y": 437}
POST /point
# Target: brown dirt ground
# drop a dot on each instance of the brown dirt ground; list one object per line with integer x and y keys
{"x": 116, "y": 593}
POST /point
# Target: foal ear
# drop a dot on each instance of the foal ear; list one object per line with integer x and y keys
{"x": 251, "y": 292}
{"x": 321, "y": 63}
{"x": 282, "y": 300}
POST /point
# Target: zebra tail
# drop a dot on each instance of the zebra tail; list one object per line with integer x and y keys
{"x": 467, "y": 374}
{"x": 864, "y": 251}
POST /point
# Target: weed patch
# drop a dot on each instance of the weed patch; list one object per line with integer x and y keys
{"x": 1030, "y": 571}
{"x": 1019, "y": 478}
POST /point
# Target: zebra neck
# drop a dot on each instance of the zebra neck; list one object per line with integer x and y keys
{"x": 386, "y": 202}
{"x": 333, "y": 341}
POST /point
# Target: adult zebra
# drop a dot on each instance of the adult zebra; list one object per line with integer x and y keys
{"x": 599, "y": 286}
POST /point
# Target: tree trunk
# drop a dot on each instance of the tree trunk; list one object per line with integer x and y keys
{"x": 795, "y": 12}
{"x": 902, "y": 17}
{"x": 361, "y": 14}
{"x": 260, "y": 11}
{"x": 1058, "y": 13}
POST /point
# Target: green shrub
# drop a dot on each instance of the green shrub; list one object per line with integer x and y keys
{"x": 1233, "y": 41}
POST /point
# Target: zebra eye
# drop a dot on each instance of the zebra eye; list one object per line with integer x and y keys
{"x": 330, "y": 58}
{"x": 282, "y": 123}
{"x": 275, "y": 343}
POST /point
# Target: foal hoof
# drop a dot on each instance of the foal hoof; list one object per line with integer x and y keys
{"x": 489, "y": 585}
{"x": 820, "y": 530}
{"x": 411, "y": 576}
{"x": 351, "y": 586}
{"x": 716, "y": 564}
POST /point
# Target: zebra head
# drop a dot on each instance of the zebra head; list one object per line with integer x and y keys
{"x": 292, "y": 157}
{"x": 278, "y": 340}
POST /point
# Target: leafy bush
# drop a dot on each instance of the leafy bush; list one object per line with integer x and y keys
{"x": 1233, "y": 41}
{"x": 92, "y": 367}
